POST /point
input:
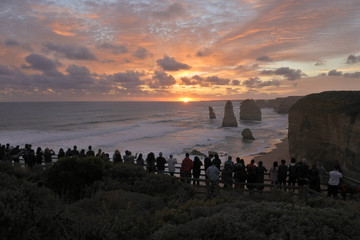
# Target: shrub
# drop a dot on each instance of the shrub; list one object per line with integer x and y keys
{"x": 135, "y": 179}
{"x": 73, "y": 178}
{"x": 27, "y": 211}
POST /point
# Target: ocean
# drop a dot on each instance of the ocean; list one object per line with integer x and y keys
{"x": 140, "y": 127}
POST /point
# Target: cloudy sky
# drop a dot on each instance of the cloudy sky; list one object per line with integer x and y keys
{"x": 113, "y": 50}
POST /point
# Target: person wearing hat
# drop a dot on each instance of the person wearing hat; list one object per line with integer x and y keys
{"x": 171, "y": 164}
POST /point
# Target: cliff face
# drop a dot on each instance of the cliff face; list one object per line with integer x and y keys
{"x": 249, "y": 110}
{"x": 325, "y": 127}
{"x": 229, "y": 117}
{"x": 280, "y": 105}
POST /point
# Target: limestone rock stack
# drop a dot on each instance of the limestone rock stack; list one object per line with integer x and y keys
{"x": 229, "y": 117}
{"x": 325, "y": 127}
{"x": 247, "y": 134}
{"x": 249, "y": 110}
{"x": 211, "y": 113}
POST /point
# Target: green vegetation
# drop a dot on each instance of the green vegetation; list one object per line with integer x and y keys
{"x": 90, "y": 199}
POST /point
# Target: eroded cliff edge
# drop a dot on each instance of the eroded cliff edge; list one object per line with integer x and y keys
{"x": 325, "y": 127}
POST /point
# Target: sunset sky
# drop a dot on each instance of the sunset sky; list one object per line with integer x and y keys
{"x": 115, "y": 50}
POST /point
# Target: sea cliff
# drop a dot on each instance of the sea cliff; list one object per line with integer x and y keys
{"x": 325, "y": 127}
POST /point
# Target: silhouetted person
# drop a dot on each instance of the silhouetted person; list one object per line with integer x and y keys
{"x": 217, "y": 161}
{"x": 274, "y": 173}
{"x": 48, "y": 156}
{"x": 260, "y": 171}
{"x": 212, "y": 174}
{"x": 117, "y": 156}
{"x": 61, "y": 153}
{"x": 90, "y": 152}
{"x": 39, "y": 156}
{"x": 82, "y": 153}
{"x": 31, "y": 158}
{"x": 207, "y": 162}
{"x": 160, "y": 163}
{"x": 282, "y": 173}
{"x": 140, "y": 160}
{"x": 334, "y": 180}
{"x": 99, "y": 153}
{"x": 68, "y": 152}
{"x": 186, "y": 167}
{"x": 227, "y": 173}
{"x": 128, "y": 157}
{"x": 197, "y": 170}
{"x": 251, "y": 174}
{"x": 239, "y": 173}
{"x": 302, "y": 173}
{"x": 150, "y": 162}
{"x": 171, "y": 164}
{"x": 75, "y": 152}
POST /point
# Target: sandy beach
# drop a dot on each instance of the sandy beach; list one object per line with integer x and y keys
{"x": 280, "y": 152}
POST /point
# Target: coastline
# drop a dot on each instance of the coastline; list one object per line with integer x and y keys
{"x": 281, "y": 151}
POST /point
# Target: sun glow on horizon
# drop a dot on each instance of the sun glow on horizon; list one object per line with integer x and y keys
{"x": 185, "y": 100}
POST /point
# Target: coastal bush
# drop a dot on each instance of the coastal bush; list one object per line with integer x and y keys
{"x": 135, "y": 179}
{"x": 113, "y": 215}
{"x": 27, "y": 211}
{"x": 263, "y": 220}
{"x": 13, "y": 170}
{"x": 73, "y": 178}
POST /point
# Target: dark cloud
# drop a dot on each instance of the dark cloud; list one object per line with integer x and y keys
{"x": 162, "y": 80}
{"x": 353, "y": 59}
{"x": 172, "y": 11}
{"x": 334, "y": 73}
{"x": 41, "y": 63}
{"x": 251, "y": 82}
{"x": 11, "y": 43}
{"x": 187, "y": 81}
{"x": 170, "y": 64}
{"x": 130, "y": 80}
{"x": 235, "y": 82}
{"x": 257, "y": 83}
{"x": 264, "y": 59}
{"x": 203, "y": 53}
{"x": 215, "y": 80}
{"x": 115, "y": 49}
{"x": 352, "y": 75}
{"x": 208, "y": 81}
{"x": 71, "y": 52}
{"x": 141, "y": 53}
{"x": 79, "y": 73}
{"x": 288, "y": 73}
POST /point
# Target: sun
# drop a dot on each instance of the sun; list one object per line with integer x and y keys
{"x": 184, "y": 99}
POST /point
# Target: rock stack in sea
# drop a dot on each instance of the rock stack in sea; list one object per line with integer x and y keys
{"x": 249, "y": 110}
{"x": 325, "y": 127}
{"x": 211, "y": 113}
{"x": 229, "y": 117}
{"x": 247, "y": 134}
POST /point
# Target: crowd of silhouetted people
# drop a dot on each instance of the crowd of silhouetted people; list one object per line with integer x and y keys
{"x": 232, "y": 174}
